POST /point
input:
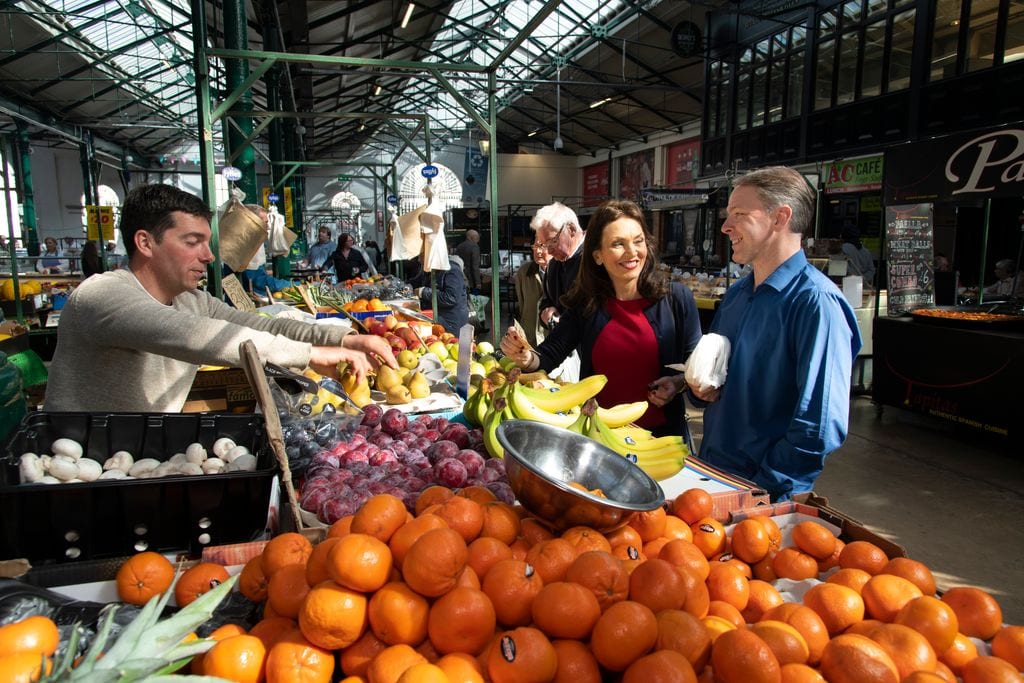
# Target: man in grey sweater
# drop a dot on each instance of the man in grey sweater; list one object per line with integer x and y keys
{"x": 132, "y": 339}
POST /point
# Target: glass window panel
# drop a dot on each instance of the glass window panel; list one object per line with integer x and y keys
{"x": 795, "y": 91}
{"x": 762, "y": 51}
{"x": 876, "y": 7}
{"x": 1014, "y": 34}
{"x": 846, "y": 78}
{"x": 746, "y": 57}
{"x": 799, "y": 37}
{"x": 874, "y": 49}
{"x": 742, "y": 100}
{"x": 944, "y": 39}
{"x": 824, "y": 74}
{"x": 900, "y": 51}
{"x": 981, "y": 34}
{"x": 713, "y": 111}
{"x": 757, "y": 105}
{"x": 724, "y": 101}
{"x": 781, "y": 42}
{"x": 776, "y": 90}
{"x": 827, "y": 22}
{"x": 851, "y": 12}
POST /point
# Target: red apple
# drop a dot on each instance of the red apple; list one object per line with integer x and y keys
{"x": 429, "y": 339}
{"x": 378, "y": 328}
{"x": 437, "y": 329}
{"x": 390, "y": 322}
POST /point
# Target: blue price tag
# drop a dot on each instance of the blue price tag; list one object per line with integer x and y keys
{"x": 430, "y": 171}
{"x": 231, "y": 173}
{"x": 392, "y": 200}
{"x": 273, "y": 197}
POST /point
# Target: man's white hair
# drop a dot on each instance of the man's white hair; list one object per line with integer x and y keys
{"x": 556, "y": 215}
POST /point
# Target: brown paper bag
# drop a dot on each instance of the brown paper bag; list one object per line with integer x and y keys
{"x": 242, "y": 234}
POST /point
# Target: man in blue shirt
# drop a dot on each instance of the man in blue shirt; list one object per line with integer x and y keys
{"x": 785, "y": 403}
{"x": 319, "y": 253}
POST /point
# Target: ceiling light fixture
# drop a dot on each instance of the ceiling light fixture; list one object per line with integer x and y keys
{"x": 485, "y": 146}
{"x": 557, "y": 142}
{"x": 376, "y": 91}
{"x": 531, "y": 133}
{"x": 408, "y": 14}
{"x": 600, "y": 103}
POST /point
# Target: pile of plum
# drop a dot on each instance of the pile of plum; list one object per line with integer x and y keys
{"x": 389, "y": 453}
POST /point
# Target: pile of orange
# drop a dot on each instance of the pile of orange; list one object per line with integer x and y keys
{"x": 26, "y": 648}
{"x": 472, "y": 589}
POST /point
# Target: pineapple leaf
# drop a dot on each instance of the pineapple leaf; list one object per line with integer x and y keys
{"x": 68, "y": 659}
{"x": 100, "y": 641}
{"x": 128, "y": 641}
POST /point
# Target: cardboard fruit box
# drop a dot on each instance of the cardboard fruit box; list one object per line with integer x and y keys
{"x": 72, "y": 522}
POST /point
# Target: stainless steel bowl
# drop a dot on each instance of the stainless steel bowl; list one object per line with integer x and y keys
{"x": 545, "y": 465}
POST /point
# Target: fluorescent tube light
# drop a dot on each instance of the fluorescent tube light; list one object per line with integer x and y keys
{"x": 408, "y": 14}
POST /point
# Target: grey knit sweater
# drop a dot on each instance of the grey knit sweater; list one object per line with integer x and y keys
{"x": 121, "y": 350}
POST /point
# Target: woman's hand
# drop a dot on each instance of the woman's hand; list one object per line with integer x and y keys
{"x": 664, "y": 389}
{"x": 325, "y": 359}
{"x": 517, "y": 348}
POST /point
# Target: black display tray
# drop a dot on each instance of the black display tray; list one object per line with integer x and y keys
{"x": 113, "y": 518}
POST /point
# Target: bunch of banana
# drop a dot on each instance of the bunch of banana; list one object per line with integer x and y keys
{"x": 495, "y": 414}
{"x": 660, "y": 457}
{"x": 565, "y": 398}
{"x": 479, "y": 401}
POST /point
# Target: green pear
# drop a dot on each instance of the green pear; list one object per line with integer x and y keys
{"x": 398, "y": 394}
{"x": 418, "y": 386}
{"x": 387, "y": 378}
{"x": 485, "y": 348}
{"x": 438, "y": 349}
{"x": 408, "y": 359}
{"x": 453, "y": 350}
{"x": 489, "y": 362}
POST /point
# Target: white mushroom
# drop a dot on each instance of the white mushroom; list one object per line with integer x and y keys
{"x": 89, "y": 469}
{"x": 235, "y": 452}
{"x": 177, "y": 459}
{"x": 213, "y": 466}
{"x": 243, "y": 463}
{"x": 122, "y": 460}
{"x": 63, "y": 467}
{"x": 114, "y": 474}
{"x": 44, "y": 460}
{"x": 30, "y": 468}
{"x": 164, "y": 469}
{"x": 195, "y": 453}
{"x": 68, "y": 447}
{"x": 142, "y": 466}
{"x": 48, "y": 480}
{"x": 222, "y": 446}
{"x": 190, "y": 469}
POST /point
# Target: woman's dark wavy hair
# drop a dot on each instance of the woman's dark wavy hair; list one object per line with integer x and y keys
{"x": 593, "y": 286}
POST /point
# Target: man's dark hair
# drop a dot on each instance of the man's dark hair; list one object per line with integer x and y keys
{"x": 780, "y": 185}
{"x": 151, "y": 208}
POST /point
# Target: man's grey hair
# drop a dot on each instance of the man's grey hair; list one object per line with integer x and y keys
{"x": 782, "y": 186}
{"x": 556, "y": 215}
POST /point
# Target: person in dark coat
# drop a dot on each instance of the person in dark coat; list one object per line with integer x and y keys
{"x": 347, "y": 260}
{"x": 452, "y": 303}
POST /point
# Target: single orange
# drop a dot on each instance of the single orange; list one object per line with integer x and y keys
{"x": 512, "y": 586}
{"x": 239, "y": 658}
{"x": 252, "y": 582}
{"x": 409, "y": 533}
{"x": 933, "y": 619}
{"x": 813, "y": 539}
{"x": 355, "y": 659}
{"x": 684, "y": 633}
{"x": 959, "y": 653}
{"x": 389, "y": 665}
{"x": 785, "y": 642}
{"x": 807, "y": 622}
{"x": 741, "y": 656}
{"x": 978, "y": 613}
{"x": 565, "y": 610}
{"x": 863, "y": 555}
{"x": 649, "y": 524}
{"x": 658, "y": 585}
{"x": 380, "y": 516}
{"x": 603, "y": 574}
{"x": 435, "y": 561}
{"x": 750, "y": 541}
{"x": 663, "y": 666}
{"x": 461, "y": 620}
{"x": 851, "y": 578}
{"x": 551, "y": 558}
{"x": 36, "y": 635}
{"x": 885, "y": 595}
{"x": 989, "y": 670}
{"x": 360, "y": 561}
{"x": 333, "y": 617}
{"x": 855, "y": 659}
{"x": 1008, "y": 644}
{"x": 794, "y": 564}
{"x": 692, "y": 505}
{"x": 709, "y": 536}
{"x": 913, "y": 571}
{"x": 625, "y": 632}
{"x": 461, "y": 668}
{"x": 143, "y": 576}
{"x": 763, "y": 597}
{"x": 287, "y": 589}
{"x": 398, "y": 614}
{"x": 316, "y": 565}
{"x": 523, "y": 655}
{"x": 685, "y": 555}
{"x": 576, "y": 663}
{"x": 585, "y": 539}
{"x": 285, "y": 549}
{"x": 838, "y": 606}
{"x": 909, "y": 650}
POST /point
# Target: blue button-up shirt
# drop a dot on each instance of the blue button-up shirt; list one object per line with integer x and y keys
{"x": 320, "y": 252}
{"x": 786, "y": 399}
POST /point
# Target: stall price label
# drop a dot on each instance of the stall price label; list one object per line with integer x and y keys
{"x": 908, "y": 235}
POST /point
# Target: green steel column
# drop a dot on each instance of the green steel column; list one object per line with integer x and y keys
{"x": 29, "y": 230}
{"x": 240, "y": 152}
{"x": 7, "y": 189}
{"x": 86, "y": 153}
{"x": 271, "y": 38}
{"x": 202, "y": 73}
{"x": 492, "y": 178}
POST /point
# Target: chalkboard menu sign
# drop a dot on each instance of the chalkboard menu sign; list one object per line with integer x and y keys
{"x": 908, "y": 236}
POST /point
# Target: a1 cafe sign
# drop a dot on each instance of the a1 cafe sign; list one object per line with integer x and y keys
{"x": 863, "y": 174}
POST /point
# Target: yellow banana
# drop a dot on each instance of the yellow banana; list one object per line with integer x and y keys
{"x": 627, "y": 445}
{"x": 662, "y": 469}
{"x": 566, "y": 397}
{"x": 636, "y": 433}
{"x": 524, "y": 409}
{"x": 580, "y": 425}
{"x": 490, "y": 428}
{"x": 469, "y": 408}
{"x": 622, "y": 414}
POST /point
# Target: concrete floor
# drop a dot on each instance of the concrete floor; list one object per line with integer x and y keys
{"x": 952, "y": 499}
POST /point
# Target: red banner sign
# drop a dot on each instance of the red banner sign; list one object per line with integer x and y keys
{"x": 682, "y": 161}
{"x": 595, "y": 183}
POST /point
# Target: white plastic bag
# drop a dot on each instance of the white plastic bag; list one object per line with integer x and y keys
{"x": 709, "y": 362}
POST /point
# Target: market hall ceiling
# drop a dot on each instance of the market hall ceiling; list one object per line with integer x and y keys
{"x": 595, "y": 73}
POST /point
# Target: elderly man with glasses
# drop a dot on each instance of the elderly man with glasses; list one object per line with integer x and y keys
{"x": 559, "y": 232}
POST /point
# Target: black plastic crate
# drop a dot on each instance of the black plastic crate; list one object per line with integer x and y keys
{"x": 113, "y": 518}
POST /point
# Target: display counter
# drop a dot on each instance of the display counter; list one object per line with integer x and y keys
{"x": 967, "y": 375}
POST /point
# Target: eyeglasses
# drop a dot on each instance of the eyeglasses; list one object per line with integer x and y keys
{"x": 553, "y": 242}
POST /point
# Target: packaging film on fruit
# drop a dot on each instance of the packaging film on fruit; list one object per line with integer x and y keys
{"x": 708, "y": 364}
{"x": 314, "y": 412}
